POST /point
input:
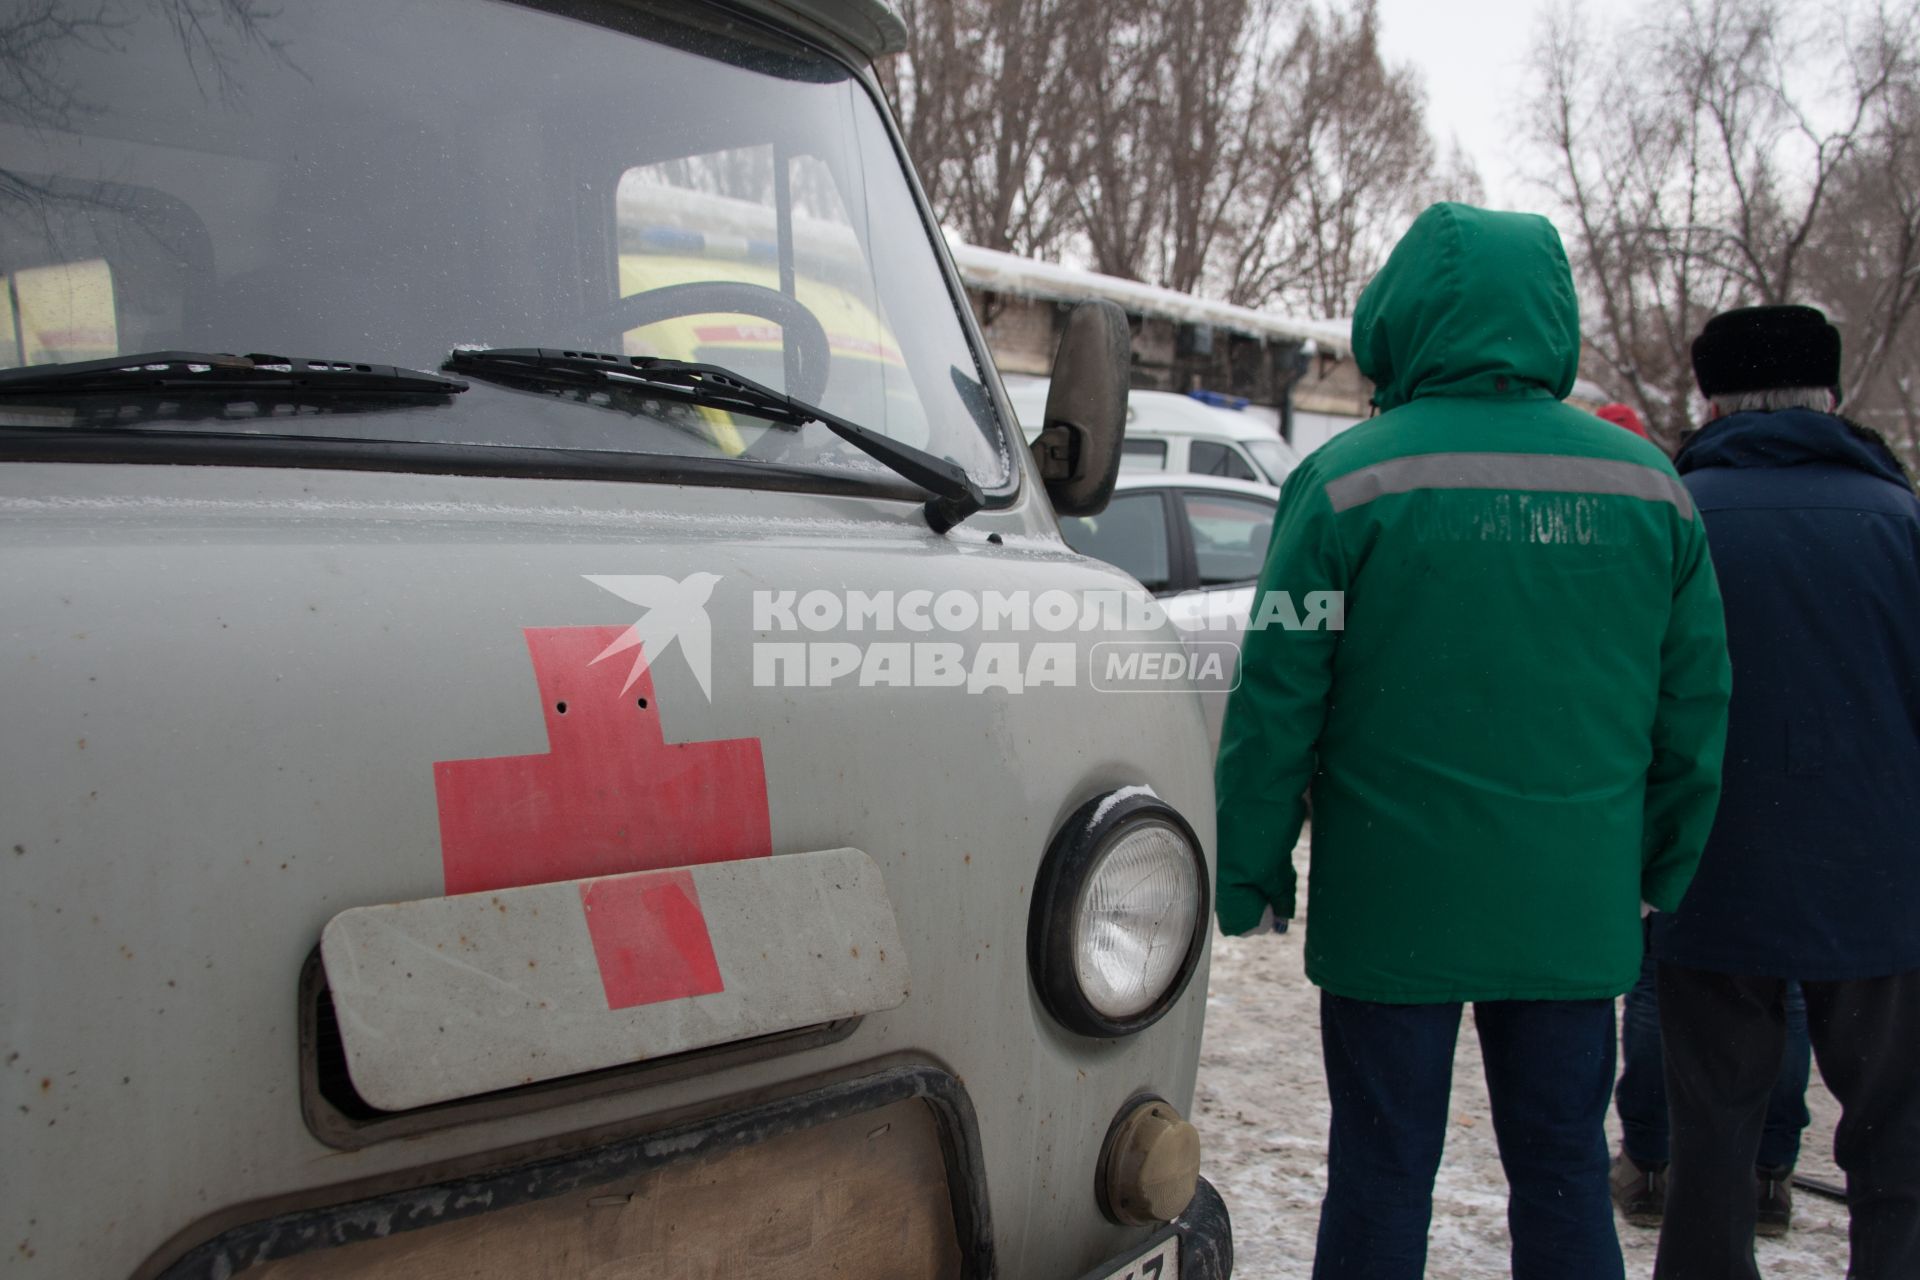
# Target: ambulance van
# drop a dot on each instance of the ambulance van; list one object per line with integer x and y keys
{"x": 546, "y": 725}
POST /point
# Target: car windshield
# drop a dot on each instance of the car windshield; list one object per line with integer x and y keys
{"x": 386, "y": 181}
{"x": 1275, "y": 457}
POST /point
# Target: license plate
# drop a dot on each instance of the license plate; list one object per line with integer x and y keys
{"x": 1161, "y": 1262}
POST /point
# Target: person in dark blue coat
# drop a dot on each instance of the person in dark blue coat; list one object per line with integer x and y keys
{"x": 1812, "y": 871}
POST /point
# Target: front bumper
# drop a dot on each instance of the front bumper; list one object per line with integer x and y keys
{"x": 1205, "y": 1232}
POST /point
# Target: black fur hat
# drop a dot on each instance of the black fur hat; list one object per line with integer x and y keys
{"x": 1764, "y": 348}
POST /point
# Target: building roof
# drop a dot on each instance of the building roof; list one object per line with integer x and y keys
{"x": 996, "y": 272}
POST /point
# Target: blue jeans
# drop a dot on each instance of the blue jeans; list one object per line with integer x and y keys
{"x": 1389, "y": 1068}
{"x": 1641, "y": 1097}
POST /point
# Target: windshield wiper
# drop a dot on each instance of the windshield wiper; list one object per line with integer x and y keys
{"x": 955, "y": 495}
{"x": 164, "y": 373}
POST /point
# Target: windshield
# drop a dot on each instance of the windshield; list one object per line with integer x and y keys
{"x": 1275, "y": 457}
{"x": 387, "y": 180}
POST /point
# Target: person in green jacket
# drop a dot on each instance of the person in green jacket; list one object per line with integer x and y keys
{"x": 1510, "y": 744}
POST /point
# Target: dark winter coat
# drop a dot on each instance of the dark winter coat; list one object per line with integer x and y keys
{"x": 1813, "y": 867}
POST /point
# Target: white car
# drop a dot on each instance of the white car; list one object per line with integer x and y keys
{"x": 1197, "y": 543}
{"x": 1176, "y": 433}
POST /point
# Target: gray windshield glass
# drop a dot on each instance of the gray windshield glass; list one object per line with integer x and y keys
{"x": 1275, "y": 457}
{"x": 386, "y": 180}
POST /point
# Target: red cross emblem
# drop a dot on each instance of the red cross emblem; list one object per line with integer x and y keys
{"x": 610, "y": 796}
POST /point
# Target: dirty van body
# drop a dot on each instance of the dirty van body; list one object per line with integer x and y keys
{"x": 474, "y": 801}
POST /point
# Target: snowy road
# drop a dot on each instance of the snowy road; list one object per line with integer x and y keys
{"x": 1261, "y": 1107}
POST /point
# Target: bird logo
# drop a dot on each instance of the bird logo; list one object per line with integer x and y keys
{"x": 675, "y": 610}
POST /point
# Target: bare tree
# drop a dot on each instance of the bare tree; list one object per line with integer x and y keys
{"x": 1864, "y": 261}
{"x": 1124, "y": 126}
{"x": 1370, "y": 157}
{"x": 1113, "y": 157}
{"x": 1697, "y": 156}
{"x": 980, "y": 93}
{"x": 1258, "y": 150}
{"x": 1216, "y": 72}
{"x": 1347, "y": 162}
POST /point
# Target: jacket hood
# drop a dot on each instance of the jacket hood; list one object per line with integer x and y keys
{"x": 1470, "y": 303}
{"x": 1787, "y": 438}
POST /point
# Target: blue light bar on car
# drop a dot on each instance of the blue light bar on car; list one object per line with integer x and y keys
{"x": 1219, "y": 399}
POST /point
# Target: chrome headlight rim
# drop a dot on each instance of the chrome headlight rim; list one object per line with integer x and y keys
{"x": 1074, "y": 852}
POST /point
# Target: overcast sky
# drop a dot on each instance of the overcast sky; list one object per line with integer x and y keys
{"x": 1473, "y": 59}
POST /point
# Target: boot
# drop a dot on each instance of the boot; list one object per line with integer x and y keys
{"x": 1775, "y": 1215}
{"x": 1639, "y": 1191}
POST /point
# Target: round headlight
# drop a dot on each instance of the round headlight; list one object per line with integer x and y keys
{"x": 1135, "y": 917}
{"x": 1119, "y": 914}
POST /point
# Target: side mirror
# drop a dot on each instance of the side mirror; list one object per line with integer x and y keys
{"x": 1078, "y": 449}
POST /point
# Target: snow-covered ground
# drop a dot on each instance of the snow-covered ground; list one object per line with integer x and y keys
{"x": 1261, "y": 1107}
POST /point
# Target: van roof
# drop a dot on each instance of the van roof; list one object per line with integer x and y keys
{"x": 1131, "y": 480}
{"x": 873, "y": 28}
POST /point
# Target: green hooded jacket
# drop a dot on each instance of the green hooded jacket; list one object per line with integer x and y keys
{"x": 1516, "y": 736}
